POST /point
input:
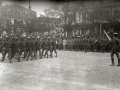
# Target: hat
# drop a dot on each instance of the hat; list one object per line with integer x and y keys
{"x": 38, "y": 37}
{"x": 28, "y": 37}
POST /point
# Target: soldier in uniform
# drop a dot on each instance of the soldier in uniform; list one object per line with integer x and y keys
{"x": 115, "y": 43}
{"x": 28, "y": 49}
{"x": 38, "y": 47}
{"x": 86, "y": 44}
{"x": 33, "y": 47}
{"x": 48, "y": 47}
{"x": 45, "y": 47}
{"x": 17, "y": 49}
{"x": 22, "y": 47}
{"x": 6, "y": 48}
{"x": 54, "y": 46}
{"x": 13, "y": 48}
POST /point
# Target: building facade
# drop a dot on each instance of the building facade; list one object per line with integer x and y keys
{"x": 16, "y": 16}
{"x": 97, "y": 17}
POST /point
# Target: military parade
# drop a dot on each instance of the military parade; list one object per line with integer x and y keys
{"x": 25, "y": 47}
{"x": 59, "y": 45}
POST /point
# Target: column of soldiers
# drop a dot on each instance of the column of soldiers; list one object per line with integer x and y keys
{"x": 88, "y": 44}
{"x": 28, "y": 47}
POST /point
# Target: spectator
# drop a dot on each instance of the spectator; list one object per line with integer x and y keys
{"x": 64, "y": 44}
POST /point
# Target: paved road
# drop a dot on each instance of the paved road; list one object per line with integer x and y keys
{"x": 68, "y": 71}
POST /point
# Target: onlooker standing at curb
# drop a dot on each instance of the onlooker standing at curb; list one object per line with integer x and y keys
{"x": 60, "y": 43}
{"x": 64, "y": 44}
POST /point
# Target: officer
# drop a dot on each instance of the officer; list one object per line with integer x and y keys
{"x": 115, "y": 43}
{"x": 28, "y": 49}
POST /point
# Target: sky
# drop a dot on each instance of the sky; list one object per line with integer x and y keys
{"x": 36, "y": 5}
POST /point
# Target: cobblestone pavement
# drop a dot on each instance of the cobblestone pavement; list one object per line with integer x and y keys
{"x": 68, "y": 71}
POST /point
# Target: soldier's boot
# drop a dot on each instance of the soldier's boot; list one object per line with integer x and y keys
{"x": 40, "y": 55}
{"x": 27, "y": 56}
{"x": 35, "y": 55}
{"x": 11, "y": 60}
{"x": 24, "y": 55}
{"x": 118, "y": 63}
{"x": 112, "y": 62}
{"x": 4, "y": 54}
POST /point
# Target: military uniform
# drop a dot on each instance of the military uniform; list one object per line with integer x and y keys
{"x": 115, "y": 48}
{"x": 6, "y": 49}
{"x": 28, "y": 49}
{"x": 54, "y": 47}
{"x": 38, "y": 44}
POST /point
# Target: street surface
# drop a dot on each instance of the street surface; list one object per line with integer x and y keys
{"x": 69, "y": 71}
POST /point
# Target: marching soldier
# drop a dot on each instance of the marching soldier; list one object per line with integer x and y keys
{"x": 48, "y": 47}
{"x": 38, "y": 47}
{"x": 22, "y": 47}
{"x": 45, "y": 47}
{"x": 33, "y": 47}
{"x": 54, "y": 46}
{"x": 13, "y": 49}
{"x": 6, "y": 48}
{"x": 28, "y": 49}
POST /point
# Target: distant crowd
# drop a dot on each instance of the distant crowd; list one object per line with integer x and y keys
{"x": 84, "y": 43}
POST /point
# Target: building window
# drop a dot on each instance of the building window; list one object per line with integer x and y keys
{"x": 18, "y": 13}
{"x": 8, "y": 12}
{"x": 26, "y": 14}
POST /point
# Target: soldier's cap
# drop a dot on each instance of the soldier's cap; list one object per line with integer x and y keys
{"x": 6, "y": 36}
{"x": 12, "y": 37}
{"x": 28, "y": 37}
{"x": 115, "y": 33}
{"x": 38, "y": 37}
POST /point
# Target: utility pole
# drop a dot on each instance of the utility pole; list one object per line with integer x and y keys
{"x": 29, "y": 5}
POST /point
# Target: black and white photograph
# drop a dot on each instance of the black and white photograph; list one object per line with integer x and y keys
{"x": 59, "y": 44}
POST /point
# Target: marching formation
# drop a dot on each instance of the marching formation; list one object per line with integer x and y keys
{"x": 15, "y": 47}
